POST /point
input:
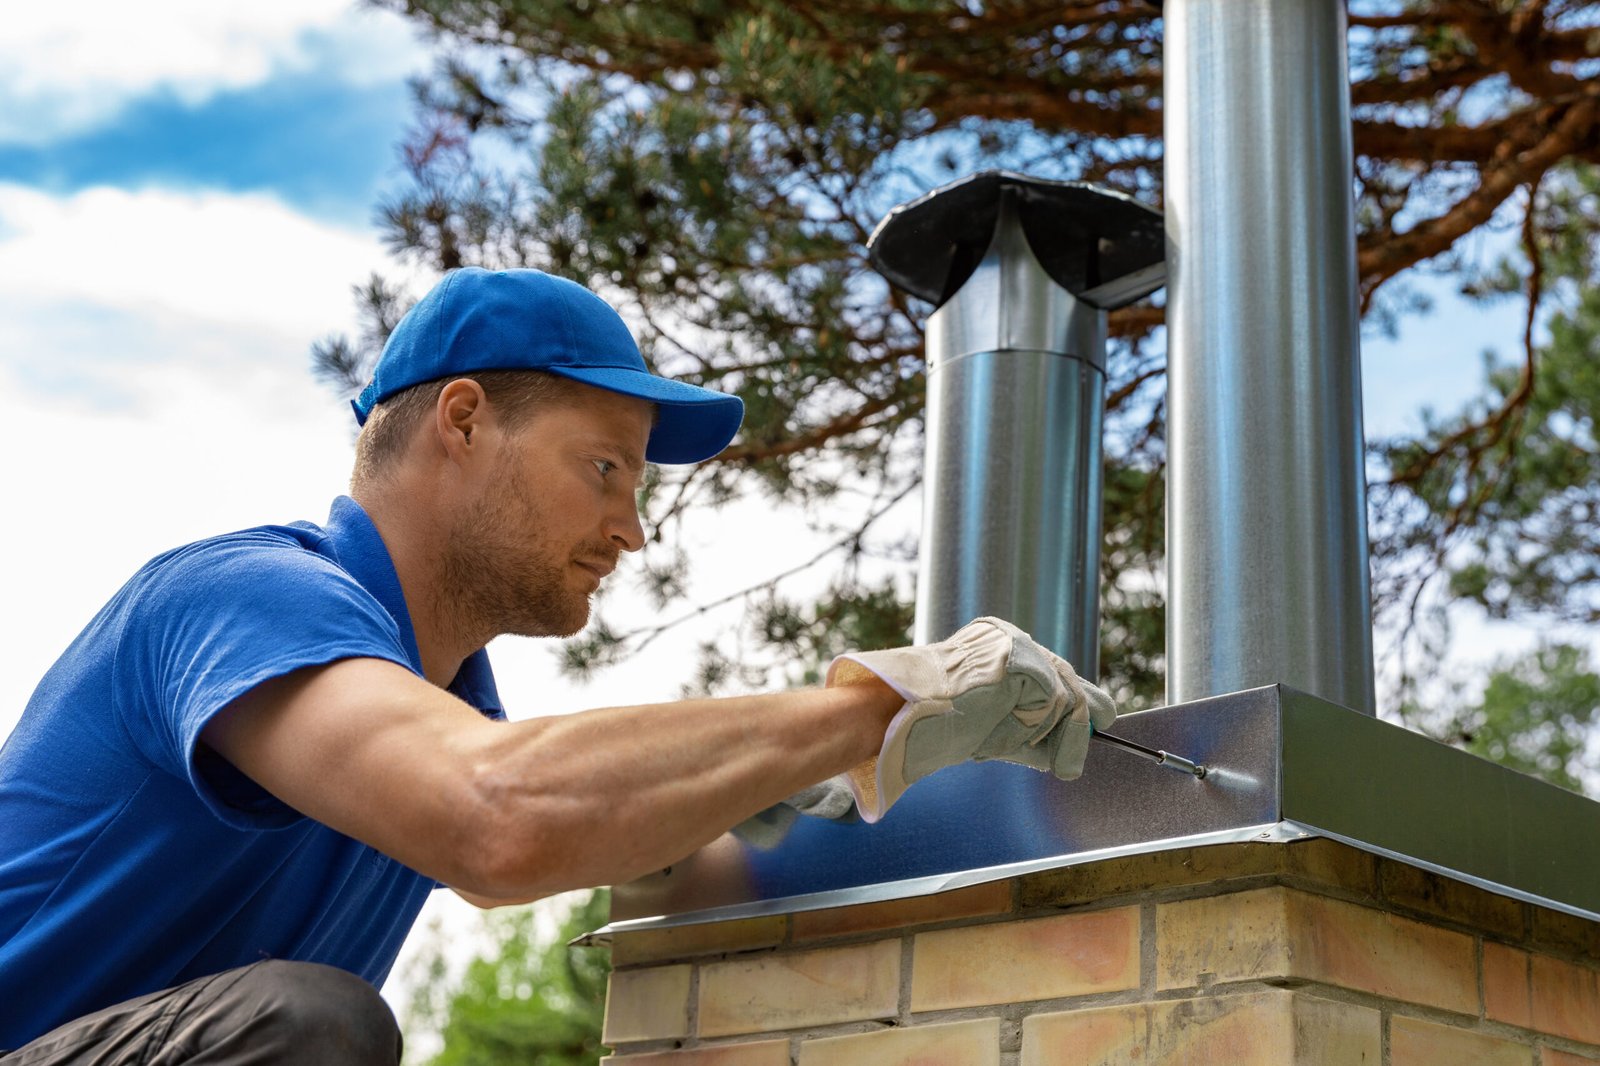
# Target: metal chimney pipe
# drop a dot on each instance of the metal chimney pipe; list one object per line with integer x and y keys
{"x": 1011, "y": 513}
{"x": 1022, "y": 271}
{"x": 1266, "y": 494}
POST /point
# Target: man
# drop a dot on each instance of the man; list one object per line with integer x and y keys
{"x": 225, "y": 804}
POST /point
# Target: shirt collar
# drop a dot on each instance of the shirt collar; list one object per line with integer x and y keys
{"x": 359, "y": 548}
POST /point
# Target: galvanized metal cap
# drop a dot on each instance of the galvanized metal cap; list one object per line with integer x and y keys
{"x": 1105, "y": 248}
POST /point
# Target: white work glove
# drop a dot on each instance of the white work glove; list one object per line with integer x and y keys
{"x": 831, "y": 799}
{"x": 988, "y": 692}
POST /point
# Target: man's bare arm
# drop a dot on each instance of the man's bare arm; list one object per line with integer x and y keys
{"x": 509, "y": 811}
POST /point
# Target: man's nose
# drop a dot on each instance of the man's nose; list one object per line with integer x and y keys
{"x": 624, "y": 528}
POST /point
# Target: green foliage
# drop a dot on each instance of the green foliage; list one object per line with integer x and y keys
{"x": 1535, "y": 715}
{"x": 1133, "y": 608}
{"x": 857, "y": 618}
{"x": 1500, "y": 502}
{"x": 531, "y": 1002}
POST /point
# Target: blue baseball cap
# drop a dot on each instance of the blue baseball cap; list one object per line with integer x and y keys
{"x": 479, "y": 319}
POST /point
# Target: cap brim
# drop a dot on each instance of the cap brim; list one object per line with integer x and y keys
{"x": 692, "y": 423}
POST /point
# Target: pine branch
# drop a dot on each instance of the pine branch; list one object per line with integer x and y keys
{"x": 1513, "y": 166}
{"x": 852, "y": 422}
{"x": 637, "y": 639}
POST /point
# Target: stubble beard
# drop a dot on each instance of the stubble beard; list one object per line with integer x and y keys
{"x": 505, "y": 575}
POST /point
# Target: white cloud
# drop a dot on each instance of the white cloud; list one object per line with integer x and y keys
{"x": 93, "y": 494}
{"x": 154, "y": 377}
{"x": 208, "y": 259}
{"x": 154, "y": 383}
{"x": 68, "y": 68}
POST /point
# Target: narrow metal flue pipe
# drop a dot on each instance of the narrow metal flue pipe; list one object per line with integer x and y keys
{"x": 1011, "y": 512}
{"x": 1266, "y": 494}
{"x": 1022, "y": 271}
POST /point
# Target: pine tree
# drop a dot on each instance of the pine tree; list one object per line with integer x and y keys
{"x": 1536, "y": 715}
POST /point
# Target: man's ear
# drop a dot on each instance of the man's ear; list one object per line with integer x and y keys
{"x": 461, "y": 418}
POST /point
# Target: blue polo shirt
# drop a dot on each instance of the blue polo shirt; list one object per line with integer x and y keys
{"x": 133, "y": 858}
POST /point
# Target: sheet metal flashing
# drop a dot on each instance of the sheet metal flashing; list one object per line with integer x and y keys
{"x": 1285, "y": 766}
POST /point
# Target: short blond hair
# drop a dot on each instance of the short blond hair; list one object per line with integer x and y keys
{"x": 515, "y": 394}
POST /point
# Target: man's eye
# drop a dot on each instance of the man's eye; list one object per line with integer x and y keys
{"x": 605, "y": 466}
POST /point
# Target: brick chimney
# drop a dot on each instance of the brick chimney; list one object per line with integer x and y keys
{"x": 1246, "y": 954}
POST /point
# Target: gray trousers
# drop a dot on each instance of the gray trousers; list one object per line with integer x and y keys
{"x": 264, "y": 1014}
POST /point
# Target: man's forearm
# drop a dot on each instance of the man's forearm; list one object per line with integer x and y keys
{"x": 640, "y": 787}
{"x": 512, "y": 811}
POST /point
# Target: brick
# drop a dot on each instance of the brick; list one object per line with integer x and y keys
{"x": 686, "y": 941}
{"x": 1332, "y": 864}
{"x": 772, "y": 992}
{"x": 1566, "y": 999}
{"x": 762, "y": 1053}
{"x": 1285, "y": 933}
{"x": 1273, "y": 1028}
{"x": 1324, "y": 862}
{"x": 974, "y": 1043}
{"x": 1107, "y": 1036}
{"x": 1412, "y": 888}
{"x": 1142, "y": 874}
{"x": 1413, "y": 1042}
{"x": 1388, "y": 955}
{"x": 647, "y": 1005}
{"x": 1240, "y": 936}
{"x": 1011, "y": 962}
{"x": 1338, "y": 1034}
{"x": 1507, "y": 993}
{"x": 1565, "y": 934}
{"x": 976, "y": 901}
{"x": 1551, "y": 1057}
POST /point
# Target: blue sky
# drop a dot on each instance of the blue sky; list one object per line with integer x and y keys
{"x": 189, "y": 184}
{"x": 303, "y": 98}
{"x": 318, "y": 143}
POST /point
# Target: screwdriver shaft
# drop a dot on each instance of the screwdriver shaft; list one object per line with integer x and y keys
{"x": 1155, "y": 755}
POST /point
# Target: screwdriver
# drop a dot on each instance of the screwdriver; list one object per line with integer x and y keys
{"x": 1160, "y": 758}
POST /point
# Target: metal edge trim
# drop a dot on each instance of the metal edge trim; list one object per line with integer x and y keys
{"x": 1265, "y": 832}
{"x": 1446, "y": 871}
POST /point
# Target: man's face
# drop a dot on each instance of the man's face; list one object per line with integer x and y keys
{"x": 558, "y": 510}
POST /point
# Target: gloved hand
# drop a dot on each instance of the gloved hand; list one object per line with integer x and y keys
{"x": 988, "y": 692}
{"x": 830, "y": 799}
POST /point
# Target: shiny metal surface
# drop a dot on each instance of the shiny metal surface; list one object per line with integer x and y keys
{"x": 985, "y": 816}
{"x": 1271, "y": 833}
{"x": 1016, "y": 383}
{"x": 1400, "y": 794}
{"x": 1022, "y": 270}
{"x": 1266, "y": 497}
{"x": 1011, "y": 498}
{"x": 1010, "y": 304}
{"x": 1284, "y": 765}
